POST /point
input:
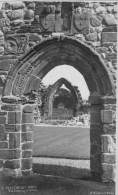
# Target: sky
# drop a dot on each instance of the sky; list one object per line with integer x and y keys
{"x": 71, "y": 74}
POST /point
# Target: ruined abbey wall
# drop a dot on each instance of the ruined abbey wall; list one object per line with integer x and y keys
{"x": 25, "y": 29}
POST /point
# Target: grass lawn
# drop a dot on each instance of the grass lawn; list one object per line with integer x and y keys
{"x": 63, "y": 142}
{"x": 46, "y": 185}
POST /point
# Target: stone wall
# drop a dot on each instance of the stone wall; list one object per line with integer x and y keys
{"x": 23, "y": 25}
{"x": 89, "y": 29}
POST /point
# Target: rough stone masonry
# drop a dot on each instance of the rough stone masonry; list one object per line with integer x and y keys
{"x": 34, "y": 38}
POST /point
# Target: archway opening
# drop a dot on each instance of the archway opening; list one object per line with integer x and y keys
{"x": 67, "y": 132}
{"x": 52, "y": 52}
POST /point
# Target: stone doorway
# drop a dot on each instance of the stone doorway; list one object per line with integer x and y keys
{"x": 17, "y": 112}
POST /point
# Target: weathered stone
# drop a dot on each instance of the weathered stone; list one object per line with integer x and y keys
{"x": 107, "y": 116}
{"x": 27, "y": 118}
{"x": 31, "y": 5}
{"x": 5, "y": 64}
{"x": 27, "y": 172}
{"x": 26, "y": 163}
{"x": 100, "y": 9}
{"x": 1, "y": 50}
{"x": 10, "y": 99}
{"x": 95, "y": 117}
{"x": 15, "y": 14}
{"x": 12, "y": 164}
{"x": 9, "y": 154}
{"x": 2, "y": 120}
{"x": 3, "y": 144}
{"x": 28, "y": 109}
{"x": 81, "y": 21}
{"x": 29, "y": 14}
{"x": 12, "y": 128}
{"x": 95, "y": 99}
{"x": 10, "y": 107}
{"x": 108, "y": 173}
{"x": 95, "y": 149}
{"x": 14, "y": 5}
{"x": 3, "y": 135}
{"x": 14, "y": 154}
{"x": 109, "y": 100}
{"x": 14, "y": 140}
{"x": 95, "y": 165}
{"x": 109, "y": 19}
{"x": 27, "y": 137}
{"x": 8, "y": 172}
{"x": 107, "y": 37}
{"x": 27, "y": 146}
{"x": 4, "y": 154}
{"x": 109, "y": 9}
{"x": 1, "y": 90}
{"x": 14, "y": 117}
{"x": 1, "y": 163}
{"x": 27, "y": 154}
{"x": 107, "y": 144}
{"x": 27, "y": 127}
{"x": 108, "y": 158}
{"x": 95, "y": 21}
{"x": 3, "y": 113}
{"x": 109, "y": 129}
{"x": 91, "y": 36}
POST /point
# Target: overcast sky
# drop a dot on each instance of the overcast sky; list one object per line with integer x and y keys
{"x": 69, "y": 73}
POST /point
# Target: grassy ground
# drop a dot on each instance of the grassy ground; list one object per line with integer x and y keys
{"x": 71, "y": 142}
{"x": 47, "y": 185}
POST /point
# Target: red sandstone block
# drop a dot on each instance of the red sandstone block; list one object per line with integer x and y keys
{"x": 10, "y": 99}
{"x": 28, "y": 109}
{"x": 3, "y": 135}
{"x": 109, "y": 100}
{"x": 108, "y": 172}
{"x": 108, "y": 158}
{"x": 10, "y": 107}
{"x": 95, "y": 149}
{"x": 12, "y": 164}
{"x": 3, "y": 144}
{"x": 95, "y": 163}
{"x": 4, "y": 154}
{"x": 27, "y": 172}
{"x": 2, "y": 120}
{"x": 9, "y": 154}
{"x": 5, "y": 64}
{"x": 27, "y": 154}
{"x": 107, "y": 116}
{"x": 27, "y": 127}
{"x": 109, "y": 129}
{"x": 14, "y": 154}
{"x": 26, "y": 163}
{"x": 107, "y": 144}
{"x": 27, "y": 146}
{"x": 1, "y": 90}
{"x": 12, "y": 128}
{"x": 1, "y": 163}
{"x": 27, "y": 118}
{"x": 3, "y": 113}
{"x": 14, "y": 117}
{"x": 14, "y": 140}
{"x": 95, "y": 117}
{"x": 27, "y": 136}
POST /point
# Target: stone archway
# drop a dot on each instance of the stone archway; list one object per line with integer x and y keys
{"x": 39, "y": 61}
{"x": 55, "y": 88}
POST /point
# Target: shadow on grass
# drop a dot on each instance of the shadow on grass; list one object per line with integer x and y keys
{"x": 52, "y": 185}
{"x": 63, "y": 171}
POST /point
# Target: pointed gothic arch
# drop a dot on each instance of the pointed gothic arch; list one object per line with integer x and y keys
{"x": 51, "y": 52}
